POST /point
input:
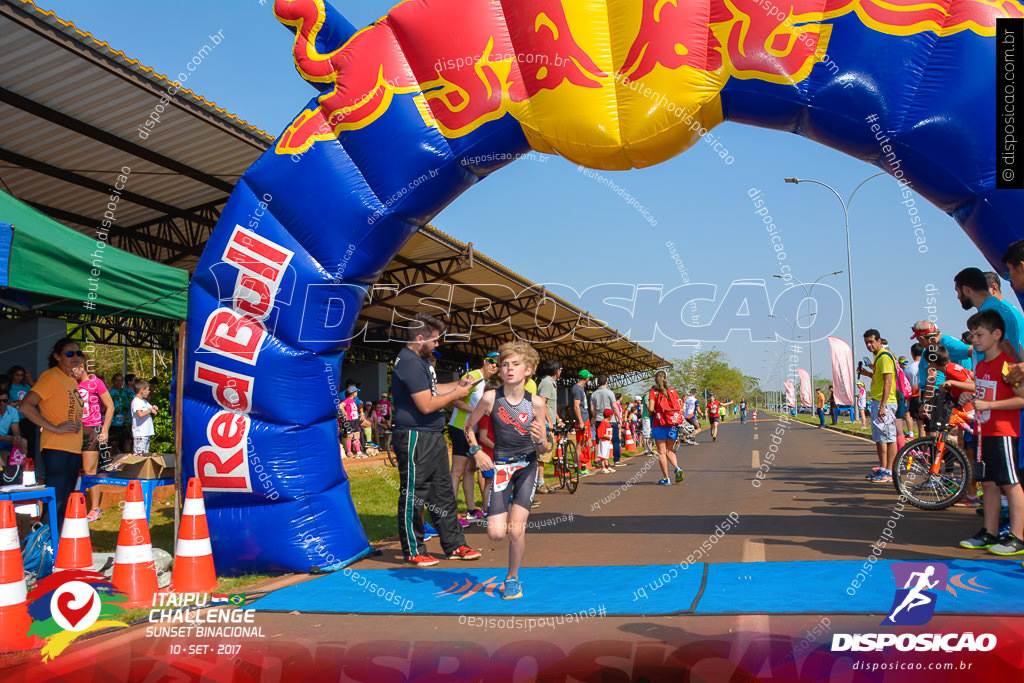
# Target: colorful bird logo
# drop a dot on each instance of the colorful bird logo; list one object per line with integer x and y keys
{"x": 69, "y": 604}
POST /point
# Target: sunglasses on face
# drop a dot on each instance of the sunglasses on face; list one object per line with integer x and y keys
{"x": 4, "y": 400}
{"x": 492, "y": 361}
{"x": 72, "y": 354}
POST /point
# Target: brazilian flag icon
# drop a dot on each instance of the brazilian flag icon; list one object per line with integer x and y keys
{"x": 236, "y": 599}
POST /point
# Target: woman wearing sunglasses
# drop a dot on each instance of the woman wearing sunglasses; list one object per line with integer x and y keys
{"x": 55, "y": 406}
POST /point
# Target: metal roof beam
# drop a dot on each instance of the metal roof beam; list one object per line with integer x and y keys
{"x": 82, "y": 128}
{"x": 95, "y": 185}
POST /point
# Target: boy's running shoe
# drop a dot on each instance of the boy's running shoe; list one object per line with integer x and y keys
{"x": 1008, "y": 545}
{"x": 428, "y": 531}
{"x": 421, "y": 560}
{"x": 462, "y": 522}
{"x": 585, "y": 473}
{"x": 880, "y": 477}
{"x": 715, "y": 437}
{"x": 94, "y": 515}
{"x": 464, "y": 552}
{"x": 679, "y": 474}
{"x": 979, "y": 541}
{"x": 475, "y": 514}
{"x": 512, "y": 589}
{"x": 664, "y": 482}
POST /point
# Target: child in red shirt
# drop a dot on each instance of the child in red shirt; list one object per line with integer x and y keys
{"x": 997, "y": 408}
{"x": 604, "y": 442}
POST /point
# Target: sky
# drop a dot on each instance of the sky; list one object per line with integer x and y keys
{"x": 574, "y": 232}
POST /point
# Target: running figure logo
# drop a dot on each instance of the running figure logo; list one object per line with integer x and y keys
{"x": 914, "y": 603}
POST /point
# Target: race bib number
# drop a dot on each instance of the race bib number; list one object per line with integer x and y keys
{"x": 984, "y": 389}
{"x": 503, "y": 474}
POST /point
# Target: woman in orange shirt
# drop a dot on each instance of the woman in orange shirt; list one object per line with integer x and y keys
{"x": 55, "y": 406}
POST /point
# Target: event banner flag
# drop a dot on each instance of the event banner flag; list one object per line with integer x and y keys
{"x": 790, "y": 394}
{"x": 842, "y": 371}
{"x": 806, "y": 391}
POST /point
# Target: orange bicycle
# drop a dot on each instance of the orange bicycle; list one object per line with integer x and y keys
{"x": 931, "y": 472}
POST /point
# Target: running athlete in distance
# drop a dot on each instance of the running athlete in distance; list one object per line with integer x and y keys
{"x": 518, "y": 428}
{"x": 715, "y": 414}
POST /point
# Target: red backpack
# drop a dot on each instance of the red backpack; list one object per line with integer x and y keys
{"x": 669, "y": 411}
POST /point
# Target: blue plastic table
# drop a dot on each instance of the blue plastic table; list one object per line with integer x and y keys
{"x": 90, "y": 480}
{"x": 44, "y": 495}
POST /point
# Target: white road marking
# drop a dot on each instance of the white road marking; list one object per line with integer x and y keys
{"x": 755, "y": 460}
{"x": 750, "y": 627}
{"x": 755, "y": 436}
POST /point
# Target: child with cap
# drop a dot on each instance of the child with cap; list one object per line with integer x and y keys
{"x": 604, "y": 442}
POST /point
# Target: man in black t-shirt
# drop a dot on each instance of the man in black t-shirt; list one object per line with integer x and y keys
{"x": 425, "y": 480}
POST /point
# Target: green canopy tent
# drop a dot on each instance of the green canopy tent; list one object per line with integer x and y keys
{"x": 48, "y": 267}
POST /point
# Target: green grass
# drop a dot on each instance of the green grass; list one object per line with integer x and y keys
{"x": 843, "y": 426}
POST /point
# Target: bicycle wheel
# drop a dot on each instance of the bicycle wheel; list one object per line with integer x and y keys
{"x": 911, "y": 474}
{"x": 560, "y": 468}
{"x": 651, "y": 445}
{"x": 572, "y": 467}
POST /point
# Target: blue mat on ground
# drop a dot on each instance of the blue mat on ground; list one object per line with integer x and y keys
{"x": 975, "y": 587}
{"x": 474, "y": 590}
{"x": 820, "y": 587}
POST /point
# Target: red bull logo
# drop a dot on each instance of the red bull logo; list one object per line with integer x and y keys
{"x": 468, "y": 62}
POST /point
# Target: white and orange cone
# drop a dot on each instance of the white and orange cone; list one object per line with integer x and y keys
{"x": 75, "y": 548}
{"x": 193, "y": 556}
{"x": 134, "y": 570}
{"x": 630, "y": 444}
{"x": 14, "y": 618}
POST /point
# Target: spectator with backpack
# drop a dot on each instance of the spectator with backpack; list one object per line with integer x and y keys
{"x": 883, "y": 405}
{"x": 666, "y": 412}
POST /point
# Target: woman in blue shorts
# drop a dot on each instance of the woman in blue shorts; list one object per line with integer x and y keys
{"x": 665, "y": 409}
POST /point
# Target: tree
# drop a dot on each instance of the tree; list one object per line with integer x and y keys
{"x": 708, "y": 370}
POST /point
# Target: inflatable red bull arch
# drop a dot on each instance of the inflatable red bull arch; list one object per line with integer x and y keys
{"x": 434, "y": 97}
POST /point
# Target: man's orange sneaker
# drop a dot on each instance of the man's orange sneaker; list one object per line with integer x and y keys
{"x": 421, "y": 560}
{"x": 464, "y": 552}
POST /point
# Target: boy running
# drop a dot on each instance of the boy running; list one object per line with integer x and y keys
{"x": 518, "y": 428}
{"x": 998, "y": 410}
{"x": 691, "y": 413}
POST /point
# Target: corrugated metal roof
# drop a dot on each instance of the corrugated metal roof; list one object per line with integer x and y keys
{"x": 74, "y": 104}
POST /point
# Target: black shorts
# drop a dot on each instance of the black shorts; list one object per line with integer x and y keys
{"x": 91, "y": 438}
{"x": 999, "y": 453}
{"x": 713, "y": 420}
{"x": 915, "y": 407}
{"x": 352, "y": 427}
{"x": 458, "y": 438}
{"x": 519, "y": 490}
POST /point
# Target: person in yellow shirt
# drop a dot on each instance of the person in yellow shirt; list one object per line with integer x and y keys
{"x": 55, "y": 406}
{"x": 882, "y": 405}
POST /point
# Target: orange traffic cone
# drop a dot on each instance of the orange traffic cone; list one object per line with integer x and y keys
{"x": 134, "y": 570}
{"x": 193, "y": 557}
{"x": 75, "y": 549}
{"x": 14, "y": 618}
{"x": 630, "y": 444}
{"x": 755, "y": 416}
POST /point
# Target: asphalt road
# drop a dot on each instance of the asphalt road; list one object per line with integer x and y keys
{"x": 813, "y": 504}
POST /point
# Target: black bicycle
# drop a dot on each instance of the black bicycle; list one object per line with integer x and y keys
{"x": 567, "y": 462}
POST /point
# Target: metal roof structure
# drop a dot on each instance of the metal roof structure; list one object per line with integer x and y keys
{"x": 73, "y": 111}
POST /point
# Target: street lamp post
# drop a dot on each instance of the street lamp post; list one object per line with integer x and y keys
{"x": 854, "y": 411}
{"x": 810, "y": 338}
{"x": 792, "y": 333}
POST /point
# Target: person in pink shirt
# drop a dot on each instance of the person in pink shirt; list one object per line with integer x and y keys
{"x": 97, "y": 414}
{"x": 352, "y": 415}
